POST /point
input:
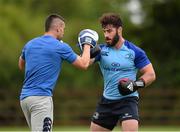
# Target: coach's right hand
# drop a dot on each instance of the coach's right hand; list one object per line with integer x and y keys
{"x": 87, "y": 36}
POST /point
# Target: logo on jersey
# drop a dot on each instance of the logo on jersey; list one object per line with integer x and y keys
{"x": 107, "y": 68}
{"x": 129, "y": 56}
{"x": 115, "y": 64}
{"x": 104, "y": 53}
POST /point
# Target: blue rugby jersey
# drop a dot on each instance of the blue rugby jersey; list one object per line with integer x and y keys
{"x": 43, "y": 58}
{"x": 116, "y": 64}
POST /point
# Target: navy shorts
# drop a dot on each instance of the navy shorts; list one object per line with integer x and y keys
{"x": 109, "y": 112}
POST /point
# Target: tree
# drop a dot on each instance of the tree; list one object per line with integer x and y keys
{"x": 159, "y": 35}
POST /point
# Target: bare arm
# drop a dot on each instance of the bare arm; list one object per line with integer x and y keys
{"x": 83, "y": 61}
{"x": 21, "y": 63}
{"x": 91, "y": 61}
{"x": 148, "y": 74}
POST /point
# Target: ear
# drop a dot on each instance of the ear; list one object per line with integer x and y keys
{"x": 120, "y": 29}
{"x": 59, "y": 30}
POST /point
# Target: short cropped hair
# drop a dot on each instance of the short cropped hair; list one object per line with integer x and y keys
{"x": 110, "y": 18}
{"x": 49, "y": 20}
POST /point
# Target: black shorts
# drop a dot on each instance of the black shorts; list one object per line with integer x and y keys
{"x": 109, "y": 112}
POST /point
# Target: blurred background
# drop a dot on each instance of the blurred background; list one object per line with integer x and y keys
{"x": 154, "y": 25}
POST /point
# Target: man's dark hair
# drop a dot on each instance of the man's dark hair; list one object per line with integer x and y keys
{"x": 49, "y": 20}
{"x": 110, "y": 18}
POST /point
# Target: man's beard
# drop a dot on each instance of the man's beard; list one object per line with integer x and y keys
{"x": 114, "y": 40}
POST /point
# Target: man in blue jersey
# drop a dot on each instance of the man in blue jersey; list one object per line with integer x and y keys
{"x": 119, "y": 61}
{"x": 42, "y": 58}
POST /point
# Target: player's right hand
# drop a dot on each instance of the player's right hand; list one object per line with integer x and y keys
{"x": 87, "y": 36}
{"x": 127, "y": 86}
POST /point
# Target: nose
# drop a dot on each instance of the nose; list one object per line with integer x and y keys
{"x": 105, "y": 34}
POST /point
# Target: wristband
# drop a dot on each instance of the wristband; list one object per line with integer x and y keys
{"x": 140, "y": 83}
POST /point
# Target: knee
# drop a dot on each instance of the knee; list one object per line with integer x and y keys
{"x": 130, "y": 126}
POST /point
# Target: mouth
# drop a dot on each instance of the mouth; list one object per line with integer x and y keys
{"x": 108, "y": 40}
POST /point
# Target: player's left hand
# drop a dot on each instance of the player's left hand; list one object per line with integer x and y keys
{"x": 87, "y": 36}
{"x": 127, "y": 86}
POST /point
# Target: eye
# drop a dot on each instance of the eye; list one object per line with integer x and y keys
{"x": 109, "y": 30}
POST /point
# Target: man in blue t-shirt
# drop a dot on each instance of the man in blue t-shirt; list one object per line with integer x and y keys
{"x": 42, "y": 58}
{"x": 119, "y": 61}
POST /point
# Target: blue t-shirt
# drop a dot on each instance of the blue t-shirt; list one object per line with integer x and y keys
{"x": 116, "y": 64}
{"x": 43, "y": 58}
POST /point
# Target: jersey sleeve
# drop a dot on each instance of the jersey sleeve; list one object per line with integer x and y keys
{"x": 67, "y": 53}
{"x": 141, "y": 59}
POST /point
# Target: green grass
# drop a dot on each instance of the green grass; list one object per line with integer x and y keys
{"x": 86, "y": 128}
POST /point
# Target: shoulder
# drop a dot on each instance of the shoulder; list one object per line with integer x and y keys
{"x": 30, "y": 42}
{"x": 59, "y": 44}
{"x": 141, "y": 58}
{"x": 64, "y": 45}
{"x": 132, "y": 46}
{"x": 64, "y": 48}
{"x": 137, "y": 50}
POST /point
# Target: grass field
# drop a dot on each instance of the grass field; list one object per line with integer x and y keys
{"x": 86, "y": 128}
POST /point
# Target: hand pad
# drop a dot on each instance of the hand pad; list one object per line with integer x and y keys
{"x": 87, "y": 36}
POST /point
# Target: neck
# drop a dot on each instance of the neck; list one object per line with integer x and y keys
{"x": 50, "y": 34}
{"x": 119, "y": 43}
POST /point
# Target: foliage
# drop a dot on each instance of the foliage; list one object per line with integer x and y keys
{"x": 161, "y": 40}
{"x": 23, "y": 20}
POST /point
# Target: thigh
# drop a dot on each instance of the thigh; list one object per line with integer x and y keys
{"x": 26, "y": 111}
{"x": 129, "y": 109}
{"x": 129, "y": 114}
{"x": 103, "y": 118}
{"x": 95, "y": 127}
{"x": 41, "y": 113}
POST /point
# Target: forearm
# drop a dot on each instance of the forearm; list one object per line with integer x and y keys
{"x": 148, "y": 78}
{"x": 85, "y": 58}
{"x": 87, "y": 39}
{"x": 127, "y": 86}
{"x": 148, "y": 74}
